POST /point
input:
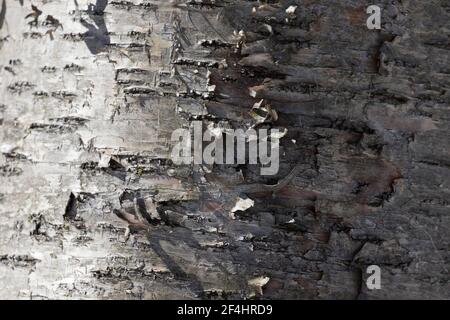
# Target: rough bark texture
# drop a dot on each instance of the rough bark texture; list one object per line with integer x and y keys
{"x": 86, "y": 113}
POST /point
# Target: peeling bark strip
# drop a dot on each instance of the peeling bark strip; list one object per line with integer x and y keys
{"x": 227, "y": 146}
{"x": 92, "y": 206}
{"x": 2, "y": 14}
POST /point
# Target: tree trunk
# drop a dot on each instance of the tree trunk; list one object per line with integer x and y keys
{"x": 93, "y": 207}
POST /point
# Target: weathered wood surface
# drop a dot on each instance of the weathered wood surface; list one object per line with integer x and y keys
{"x": 86, "y": 113}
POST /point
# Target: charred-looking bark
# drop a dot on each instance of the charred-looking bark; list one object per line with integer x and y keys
{"x": 92, "y": 206}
